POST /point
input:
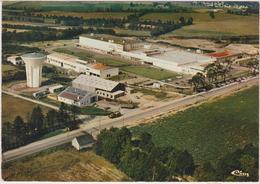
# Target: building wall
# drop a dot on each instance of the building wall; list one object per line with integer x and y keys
{"x": 69, "y": 65}
{"x": 107, "y": 94}
{"x": 66, "y": 100}
{"x": 99, "y": 44}
{"x": 15, "y": 60}
{"x": 109, "y": 72}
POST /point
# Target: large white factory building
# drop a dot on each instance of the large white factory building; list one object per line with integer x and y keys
{"x": 168, "y": 58}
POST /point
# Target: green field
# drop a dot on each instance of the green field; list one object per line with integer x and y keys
{"x": 128, "y": 32}
{"x": 12, "y": 107}
{"x": 62, "y": 164}
{"x": 8, "y": 68}
{"x": 149, "y": 72}
{"x": 212, "y": 129}
{"x": 223, "y": 24}
{"x": 90, "y": 110}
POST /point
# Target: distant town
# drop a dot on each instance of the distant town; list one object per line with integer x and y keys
{"x": 120, "y": 91}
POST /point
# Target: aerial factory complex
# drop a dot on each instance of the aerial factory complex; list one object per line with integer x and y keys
{"x": 130, "y": 91}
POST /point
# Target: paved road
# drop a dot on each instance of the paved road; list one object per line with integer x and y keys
{"x": 31, "y": 100}
{"x": 126, "y": 120}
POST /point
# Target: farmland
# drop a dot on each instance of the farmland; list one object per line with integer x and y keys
{"x": 212, "y": 129}
{"x": 204, "y": 26}
{"x": 62, "y": 164}
{"x": 10, "y": 109}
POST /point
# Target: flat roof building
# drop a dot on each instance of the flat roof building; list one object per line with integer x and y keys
{"x": 68, "y": 62}
{"x": 102, "y": 87}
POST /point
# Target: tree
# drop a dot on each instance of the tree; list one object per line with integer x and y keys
{"x": 184, "y": 163}
{"x": 198, "y": 80}
{"x": 36, "y": 121}
{"x": 52, "y": 120}
{"x": 111, "y": 143}
{"x": 146, "y": 141}
{"x": 8, "y": 136}
{"x": 247, "y": 163}
{"x": 211, "y": 72}
{"x": 212, "y": 14}
{"x": 205, "y": 172}
{"x": 75, "y": 110}
{"x": 19, "y": 130}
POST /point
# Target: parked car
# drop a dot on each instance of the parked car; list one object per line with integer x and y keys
{"x": 115, "y": 114}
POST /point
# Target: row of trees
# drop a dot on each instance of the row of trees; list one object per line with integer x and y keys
{"x": 37, "y": 35}
{"x": 213, "y": 73}
{"x": 165, "y": 28}
{"x": 21, "y": 132}
{"x": 139, "y": 158}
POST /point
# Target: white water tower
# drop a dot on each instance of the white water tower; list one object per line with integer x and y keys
{"x": 33, "y": 65}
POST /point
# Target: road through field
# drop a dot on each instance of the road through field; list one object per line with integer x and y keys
{"x": 126, "y": 120}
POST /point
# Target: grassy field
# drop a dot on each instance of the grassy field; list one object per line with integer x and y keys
{"x": 8, "y": 68}
{"x": 212, "y": 129}
{"x": 131, "y": 32}
{"x": 88, "y": 15}
{"x": 223, "y": 24}
{"x": 149, "y": 72}
{"x": 10, "y": 109}
{"x": 90, "y": 110}
{"x": 62, "y": 164}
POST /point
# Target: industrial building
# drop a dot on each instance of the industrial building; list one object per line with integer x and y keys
{"x": 67, "y": 62}
{"x": 33, "y": 66}
{"x": 78, "y": 97}
{"x": 15, "y": 60}
{"x": 109, "y": 43}
{"x": 102, "y": 87}
{"x": 100, "y": 70}
{"x": 87, "y": 67}
{"x": 165, "y": 57}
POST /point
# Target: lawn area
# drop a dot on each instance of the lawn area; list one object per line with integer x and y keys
{"x": 62, "y": 164}
{"x": 223, "y": 24}
{"x": 212, "y": 129}
{"x": 12, "y": 107}
{"x": 91, "y": 110}
{"x": 149, "y": 72}
{"x": 8, "y": 68}
{"x": 132, "y": 32}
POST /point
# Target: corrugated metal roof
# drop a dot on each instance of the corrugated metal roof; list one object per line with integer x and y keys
{"x": 95, "y": 82}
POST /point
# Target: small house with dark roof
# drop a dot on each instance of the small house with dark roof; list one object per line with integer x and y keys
{"x": 83, "y": 141}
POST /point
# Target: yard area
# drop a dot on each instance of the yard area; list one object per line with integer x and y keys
{"x": 10, "y": 109}
{"x": 62, "y": 164}
{"x": 91, "y": 110}
{"x": 203, "y": 26}
{"x": 212, "y": 129}
{"x": 149, "y": 72}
